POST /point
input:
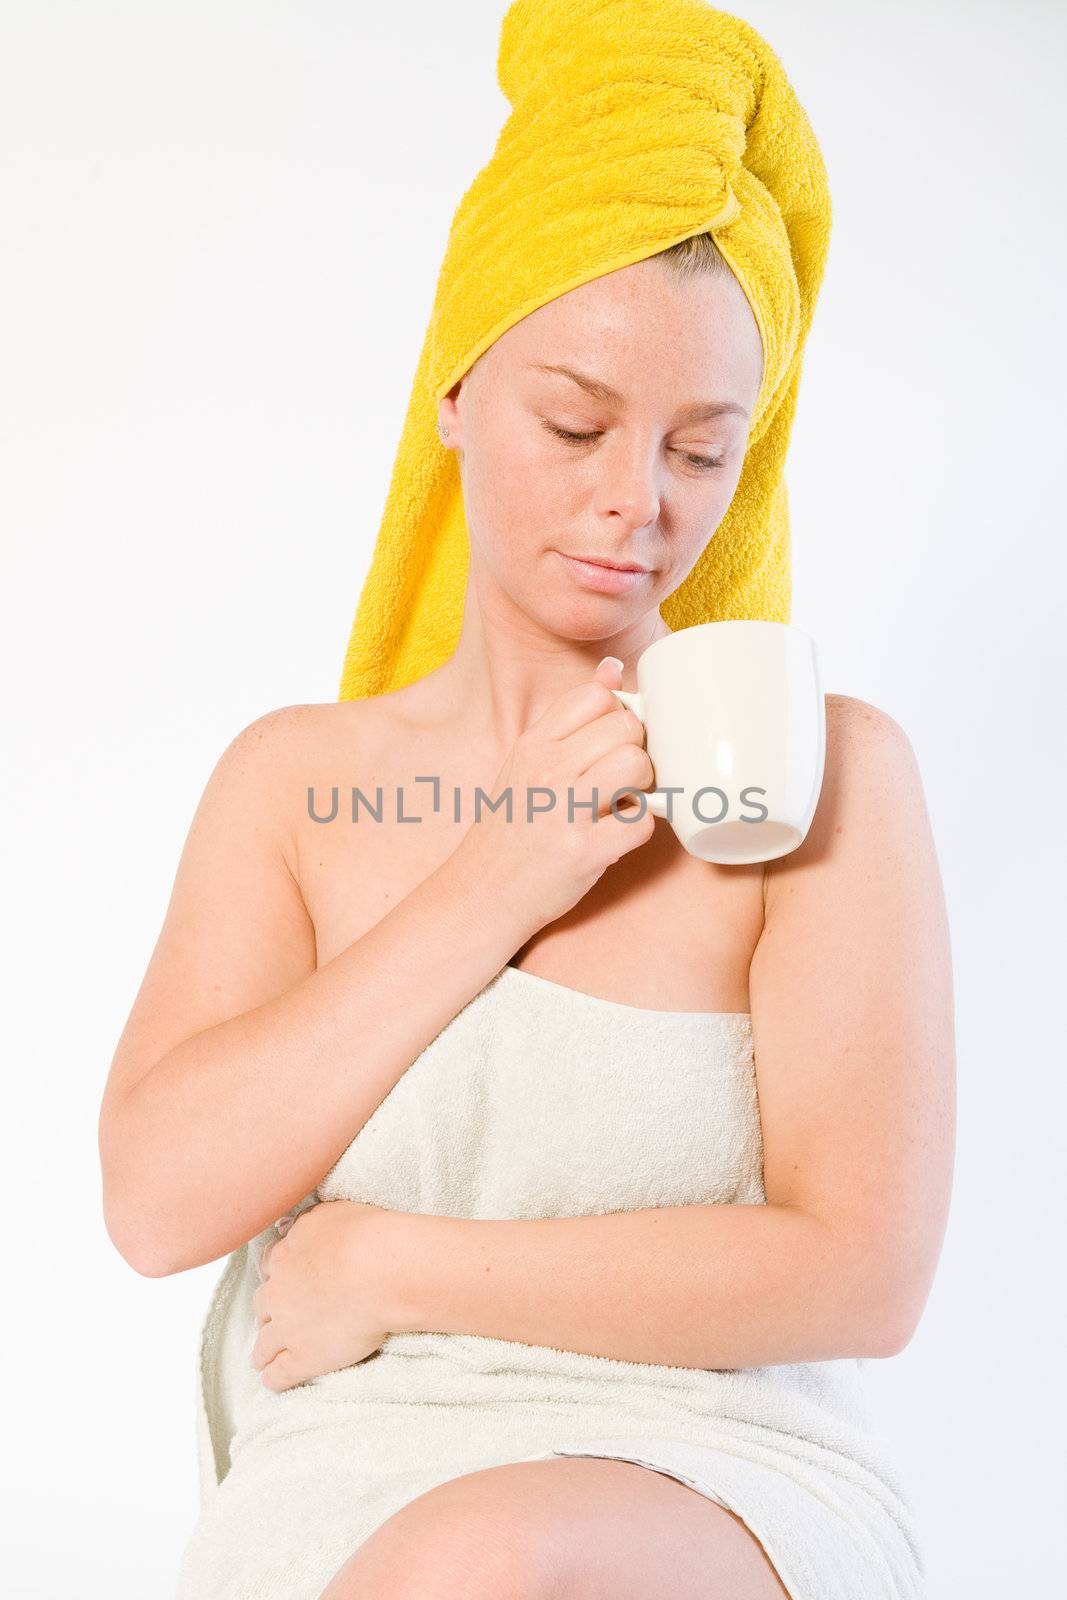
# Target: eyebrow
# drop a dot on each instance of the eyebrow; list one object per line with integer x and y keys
{"x": 696, "y": 411}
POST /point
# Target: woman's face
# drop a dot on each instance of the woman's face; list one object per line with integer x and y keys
{"x": 619, "y": 468}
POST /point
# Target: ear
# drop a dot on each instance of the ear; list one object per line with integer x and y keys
{"x": 448, "y": 416}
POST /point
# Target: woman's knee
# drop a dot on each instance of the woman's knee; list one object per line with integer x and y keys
{"x": 448, "y": 1547}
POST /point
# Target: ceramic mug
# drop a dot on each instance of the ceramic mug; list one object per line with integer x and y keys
{"x": 735, "y": 722}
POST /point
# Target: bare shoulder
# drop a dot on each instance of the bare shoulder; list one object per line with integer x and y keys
{"x": 871, "y": 802}
{"x": 293, "y": 730}
{"x": 870, "y": 766}
{"x": 271, "y": 760}
{"x": 851, "y": 721}
{"x": 301, "y": 736}
{"x": 314, "y": 746}
{"x": 862, "y": 739}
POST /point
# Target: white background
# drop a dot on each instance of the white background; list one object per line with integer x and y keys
{"x": 222, "y": 230}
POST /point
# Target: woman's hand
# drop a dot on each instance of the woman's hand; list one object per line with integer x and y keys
{"x": 584, "y": 740}
{"x": 320, "y": 1305}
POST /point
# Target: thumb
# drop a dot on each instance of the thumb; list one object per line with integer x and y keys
{"x": 609, "y": 672}
{"x": 264, "y": 1260}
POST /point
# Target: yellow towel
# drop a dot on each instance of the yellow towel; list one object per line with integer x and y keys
{"x": 634, "y": 124}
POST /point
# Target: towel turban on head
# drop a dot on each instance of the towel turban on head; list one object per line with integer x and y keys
{"x": 634, "y": 124}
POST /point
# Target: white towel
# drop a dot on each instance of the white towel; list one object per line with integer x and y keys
{"x": 537, "y": 1101}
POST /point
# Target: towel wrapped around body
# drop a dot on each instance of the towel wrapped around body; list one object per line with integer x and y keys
{"x": 536, "y": 1100}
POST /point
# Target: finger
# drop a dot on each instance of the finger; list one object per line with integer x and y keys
{"x": 608, "y": 733}
{"x": 280, "y": 1373}
{"x": 267, "y": 1347}
{"x": 260, "y": 1304}
{"x": 576, "y": 707}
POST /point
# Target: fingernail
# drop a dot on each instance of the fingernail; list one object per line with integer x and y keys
{"x": 283, "y": 1225}
{"x": 614, "y": 659}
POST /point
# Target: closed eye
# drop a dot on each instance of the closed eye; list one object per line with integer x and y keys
{"x": 704, "y": 463}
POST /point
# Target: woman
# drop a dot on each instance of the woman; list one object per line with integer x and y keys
{"x": 602, "y": 1159}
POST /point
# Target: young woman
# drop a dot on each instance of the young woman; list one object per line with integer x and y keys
{"x": 609, "y": 1166}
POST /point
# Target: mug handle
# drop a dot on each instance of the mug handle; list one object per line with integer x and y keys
{"x": 634, "y": 701}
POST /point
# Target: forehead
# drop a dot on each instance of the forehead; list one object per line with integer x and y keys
{"x": 641, "y": 328}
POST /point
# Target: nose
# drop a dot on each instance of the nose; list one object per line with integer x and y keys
{"x": 628, "y": 486}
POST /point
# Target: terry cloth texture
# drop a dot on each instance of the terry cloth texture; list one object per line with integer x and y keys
{"x": 537, "y": 1100}
{"x": 634, "y": 124}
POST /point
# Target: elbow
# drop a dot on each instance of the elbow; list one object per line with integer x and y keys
{"x": 143, "y": 1238}
{"x": 149, "y": 1266}
{"x": 892, "y": 1331}
{"x": 876, "y": 1313}
{"x": 883, "y": 1342}
{"x": 133, "y": 1251}
{"x": 900, "y": 1334}
{"x": 138, "y": 1245}
{"x": 130, "y": 1221}
{"x": 136, "y": 1252}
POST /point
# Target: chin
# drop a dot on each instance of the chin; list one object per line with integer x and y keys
{"x": 590, "y": 618}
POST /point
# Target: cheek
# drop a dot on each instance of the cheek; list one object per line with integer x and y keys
{"x": 513, "y": 502}
{"x": 714, "y": 496}
{"x": 707, "y": 511}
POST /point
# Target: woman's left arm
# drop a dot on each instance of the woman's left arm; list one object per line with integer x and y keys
{"x": 852, "y": 1007}
{"x": 852, "y": 1010}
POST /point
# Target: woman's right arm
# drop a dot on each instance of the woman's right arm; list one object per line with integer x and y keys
{"x": 243, "y": 1073}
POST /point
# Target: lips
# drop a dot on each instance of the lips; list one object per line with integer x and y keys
{"x": 601, "y": 576}
{"x": 615, "y": 566}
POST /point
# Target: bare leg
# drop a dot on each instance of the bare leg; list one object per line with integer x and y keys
{"x": 576, "y": 1527}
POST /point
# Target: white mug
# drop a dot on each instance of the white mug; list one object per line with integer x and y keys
{"x": 735, "y": 722}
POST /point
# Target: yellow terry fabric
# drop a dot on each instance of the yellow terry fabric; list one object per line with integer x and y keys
{"x": 634, "y": 124}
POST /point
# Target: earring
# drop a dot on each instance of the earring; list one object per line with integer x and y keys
{"x": 444, "y": 431}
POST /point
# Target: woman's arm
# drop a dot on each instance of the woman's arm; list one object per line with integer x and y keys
{"x": 243, "y": 1073}
{"x": 852, "y": 1007}
{"x": 854, "y": 1025}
